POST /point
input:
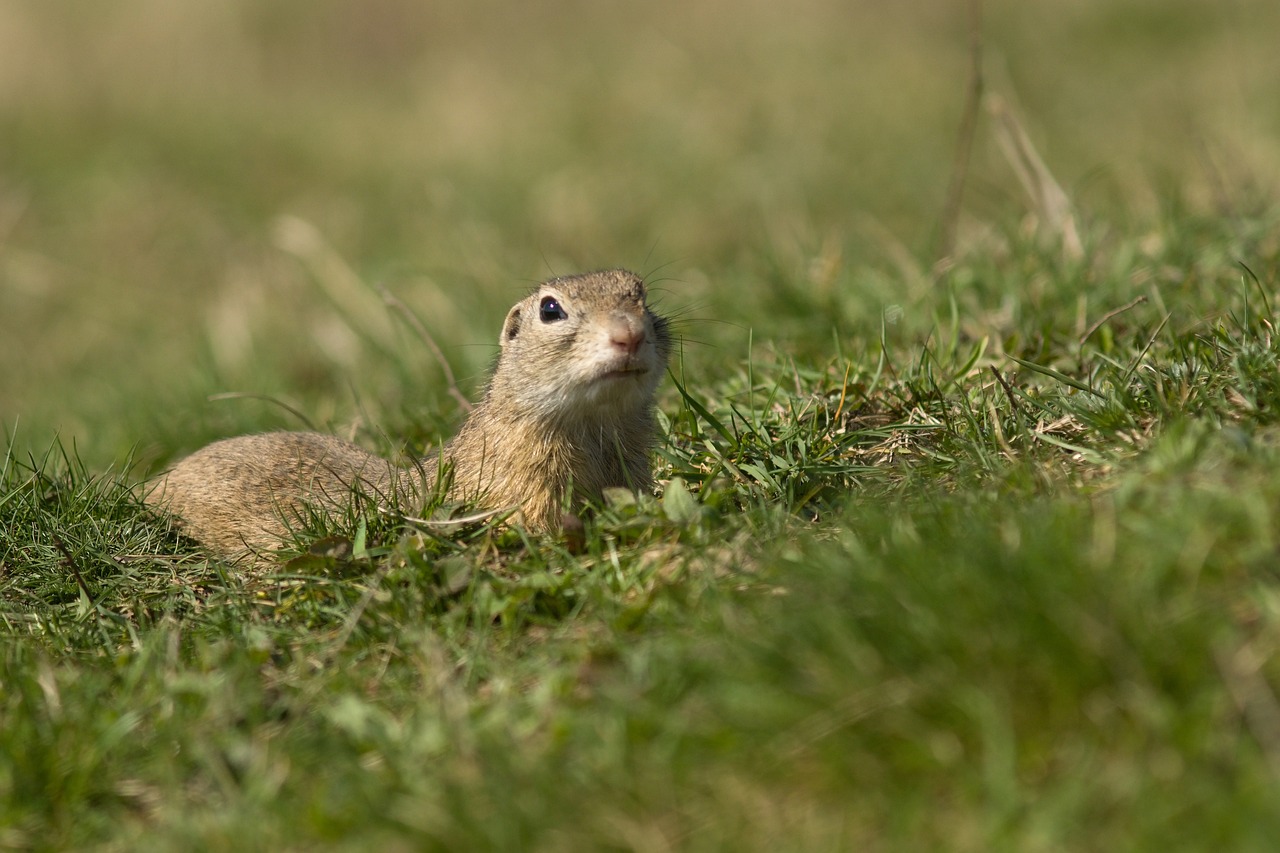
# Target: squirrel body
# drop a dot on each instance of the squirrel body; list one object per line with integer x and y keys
{"x": 568, "y": 412}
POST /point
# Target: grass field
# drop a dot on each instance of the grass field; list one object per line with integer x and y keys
{"x": 968, "y": 534}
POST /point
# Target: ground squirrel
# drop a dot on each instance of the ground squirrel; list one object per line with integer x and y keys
{"x": 569, "y": 411}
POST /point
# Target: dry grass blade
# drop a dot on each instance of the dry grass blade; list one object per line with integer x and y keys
{"x": 1052, "y": 207}
{"x": 964, "y": 138}
{"x": 1242, "y": 674}
{"x": 460, "y": 521}
{"x": 335, "y": 278}
{"x": 245, "y": 395}
{"x": 420, "y": 329}
{"x": 1102, "y": 321}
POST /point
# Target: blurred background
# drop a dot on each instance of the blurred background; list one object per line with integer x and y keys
{"x": 207, "y": 198}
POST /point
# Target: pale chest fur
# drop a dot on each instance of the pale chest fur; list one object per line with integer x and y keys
{"x": 542, "y": 471}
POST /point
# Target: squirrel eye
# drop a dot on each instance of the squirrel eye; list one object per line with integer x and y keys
{"x": 550, "y": 310}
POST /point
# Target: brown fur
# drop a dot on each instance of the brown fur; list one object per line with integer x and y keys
{"x": 568, "y": 412}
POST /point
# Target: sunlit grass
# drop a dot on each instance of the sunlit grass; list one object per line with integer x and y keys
{"x": 964, "y": 553}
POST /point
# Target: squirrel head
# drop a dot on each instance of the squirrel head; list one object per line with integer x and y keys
{"x": 583, "y": 346}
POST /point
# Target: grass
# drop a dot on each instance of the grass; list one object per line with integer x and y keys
{"x": 971, "y": 554}
{"x": 883, "y": 603}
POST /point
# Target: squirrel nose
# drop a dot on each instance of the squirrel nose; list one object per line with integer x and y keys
{"x": 626, "y": 335}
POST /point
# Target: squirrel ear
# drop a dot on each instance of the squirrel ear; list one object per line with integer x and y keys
{"x": 511, "y": 326}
